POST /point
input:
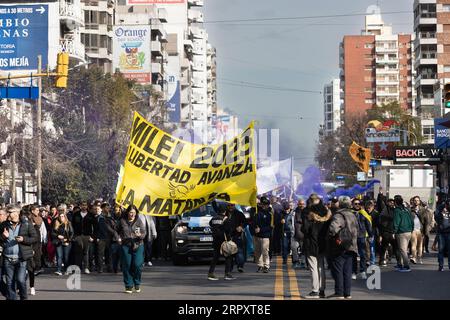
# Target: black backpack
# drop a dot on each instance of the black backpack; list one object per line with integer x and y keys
{"x": 344, "y": 238}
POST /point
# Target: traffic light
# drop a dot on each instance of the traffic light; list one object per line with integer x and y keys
{"x": 447, "y": 95}
{"x": 62, "y": 69}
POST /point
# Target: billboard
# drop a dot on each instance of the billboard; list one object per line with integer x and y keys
{"x": 420, "y": 154}
{"x": 442, "y": 133}
{"x": 23, "y": 36}
{"x": 147, "y": 2}
{"x": 173, "y": 89}
{"x": 382, "y": 136}
{"x": 131, "y": 52}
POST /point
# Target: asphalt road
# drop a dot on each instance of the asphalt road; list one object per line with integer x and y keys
{"x": 163, "y": 281}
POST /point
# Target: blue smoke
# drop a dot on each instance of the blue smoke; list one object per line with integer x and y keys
{"x": 355, "y": 190}
{"x": 311, "y": 184}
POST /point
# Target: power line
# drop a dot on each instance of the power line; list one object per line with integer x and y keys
{"x": 263, "y": 86}
{"x": 304, "y": 17}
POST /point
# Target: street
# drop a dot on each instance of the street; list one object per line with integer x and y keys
{"x": 163, "y": 281}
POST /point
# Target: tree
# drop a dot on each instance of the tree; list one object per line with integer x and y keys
{"x": 92, "y": 120}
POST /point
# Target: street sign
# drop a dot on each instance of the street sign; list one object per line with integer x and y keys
{"x": 375, "y": 163}
{"x": 23, "y": 36}
{"x": 340, "y": 177}
{"x": 361, "y": 176}
{"x": 19, "y": 92}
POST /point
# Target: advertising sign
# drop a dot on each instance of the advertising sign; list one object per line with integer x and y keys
{"x": 147, "y": 2}
{"x": 420, "y": 154}
{"x": 131, "y": 54}
{"x": 23, "y": 36}
{"x": 442, "y": 133}
{"x": 383, "y": 136}
{"x": 173, "y": 89}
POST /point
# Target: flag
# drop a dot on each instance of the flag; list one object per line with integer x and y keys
{"x": 166, "y": 176}
{"x": 274, "y": 176}
{"x": 361, "y": 156}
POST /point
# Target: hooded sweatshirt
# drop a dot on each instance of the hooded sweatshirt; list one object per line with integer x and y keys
{"x": 314, "y": 228}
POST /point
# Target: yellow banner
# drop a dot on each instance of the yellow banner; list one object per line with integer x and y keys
{"x": 361, "y": 156}
{"x": 165, "y": 176}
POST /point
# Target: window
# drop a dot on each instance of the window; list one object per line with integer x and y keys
{"x": 446, "y": 7}
{"x": 428, "y": 132}
{"x": 368, "y": 68}
{"x": 368, "y": 56}
{"x": 369, "y": 101}
{"x": 368, "y": 79}
{"x": 368, "y": 46}
{"x": 368, "y": 90}
{"x": 446, "y": 68}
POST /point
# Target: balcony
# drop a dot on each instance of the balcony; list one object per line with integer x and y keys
{"x": 427, "y": 38}
{"x": 198, "y": 49}
{"x": 156, "y": 48}
{"x": 426, "y": 79}
{"x": 195, "y": 3}
{"x": 426, "y": 99}
{"x": 157, "y": 27}
{"x": 426, "y": 18}
{"x": 195, "y": 16}
{"x": 71, "y": 14}
{"x": 425, "y": 58}
{"x": 73, "y": 47}
{"x": 162, "y": 15}
{"x": 185, "y": 63}
{"x": 197, "y": 33}
{"x": 379, "y": 71}
{"x": 197, "y": 82}
{"x": 156, "y": 68}
{"x": 386, "y": 49}
{"x": 387, "y": 93}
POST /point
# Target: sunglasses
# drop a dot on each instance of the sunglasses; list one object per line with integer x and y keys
{"x": 357, "y": 204}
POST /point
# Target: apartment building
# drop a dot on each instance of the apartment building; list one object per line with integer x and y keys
{"x": 332, "y": 105}
{"x": 376, "y": 68}
{"x": 96, "y": 34}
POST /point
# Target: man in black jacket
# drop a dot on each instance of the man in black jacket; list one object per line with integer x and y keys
{"x": 103, "y": 234}
{"x": 276, "y": 240}
{"x": 17, "y": 239}
{"x": 221, "y": 228}
{"x": 83, "y": 229}
{"x": 386, "y": 228}
{"x": 238, "y": 223}
{"x": 297, "y": 240}
{"x": 3, "y": 288}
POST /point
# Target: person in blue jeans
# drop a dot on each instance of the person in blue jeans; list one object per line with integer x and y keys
{"x": 17, "y": 239}
{"x": 364, "y": 230}
{"x": 62, "y": 237}
{"x": 132, "y": 232}
{"x": 371, "y": 241}
{"x": 443, "y": 228}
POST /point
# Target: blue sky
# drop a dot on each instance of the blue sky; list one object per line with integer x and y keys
{"x": 299, "y": 54}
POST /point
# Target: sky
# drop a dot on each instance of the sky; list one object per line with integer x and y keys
{"x": 300, "y": 54}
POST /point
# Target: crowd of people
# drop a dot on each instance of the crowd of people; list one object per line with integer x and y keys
{"x": 344, "y": 235}
{"x": 93, "y": 237}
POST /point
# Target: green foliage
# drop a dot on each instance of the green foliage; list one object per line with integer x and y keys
{"x": 92, "y": 120}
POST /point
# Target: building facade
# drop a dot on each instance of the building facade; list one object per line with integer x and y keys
{"x": 376, "y": 68}
{"x": 332, "y": 106}
{"x": 96, "y": 34}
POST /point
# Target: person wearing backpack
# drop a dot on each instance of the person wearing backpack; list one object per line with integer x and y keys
{"x": 343, "y": 233}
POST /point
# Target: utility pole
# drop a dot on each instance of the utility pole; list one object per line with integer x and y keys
{"x": 39, "y": 136}
{"x": 12, "y": 108}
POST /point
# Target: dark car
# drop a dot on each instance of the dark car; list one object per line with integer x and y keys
{"x": 191, "y": 236}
